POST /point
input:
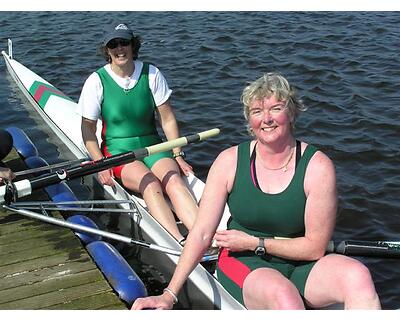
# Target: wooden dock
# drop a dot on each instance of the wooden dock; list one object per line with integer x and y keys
{"x": 46, "y": 267}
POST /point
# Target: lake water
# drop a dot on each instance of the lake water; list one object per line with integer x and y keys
{"x": 345, "y": 65}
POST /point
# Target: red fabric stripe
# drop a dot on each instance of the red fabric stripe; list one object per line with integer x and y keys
{"x": 116, "y": 170}
{"x": 41, "y": 89}
{"x": 233, "y": 268}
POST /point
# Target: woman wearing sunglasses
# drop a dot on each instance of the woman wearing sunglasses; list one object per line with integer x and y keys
{"x": 126, "y": 94}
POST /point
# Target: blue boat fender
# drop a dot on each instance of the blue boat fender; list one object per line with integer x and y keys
{"x": 117, "y": 271}
{"x": 87, "y": 222}
{"x": 36, "y": 162}
{"x": 59, "y": 192}
{"x": 62, "y": 192}
{"x": 22, "y": 143}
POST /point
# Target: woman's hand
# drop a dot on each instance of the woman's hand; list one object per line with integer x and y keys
{"x": 235, "y": 240}
{"x": 184, "y": 166}
{"x": 162, "y": 302}
{"x": 6, "y": 173}
{"x": 105, "y": 177}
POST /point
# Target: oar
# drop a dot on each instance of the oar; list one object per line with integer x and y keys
{"x": 80, "y": 205}
{"x": 105, "y": 234}
{"x": 12, "y": 191}
{"x": 65, "y": 164}
{"x": 379, "y": 249}
{"x": 382, "y": 249}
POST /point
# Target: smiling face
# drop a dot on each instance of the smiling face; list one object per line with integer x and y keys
{"x": 270, "y": 89}
{"x": 269, "y": 119}
{"x": 120, "y": 51}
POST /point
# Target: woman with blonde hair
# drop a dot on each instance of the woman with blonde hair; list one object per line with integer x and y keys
{"x": 282, "y": 196}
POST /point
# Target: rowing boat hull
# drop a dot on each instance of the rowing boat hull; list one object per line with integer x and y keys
{"x": 202, "y": 291}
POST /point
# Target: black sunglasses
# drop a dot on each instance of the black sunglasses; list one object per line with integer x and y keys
{"x": 114, "y": 43}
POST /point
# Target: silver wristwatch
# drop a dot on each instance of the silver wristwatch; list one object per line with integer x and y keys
{"x": 260, "y": 249}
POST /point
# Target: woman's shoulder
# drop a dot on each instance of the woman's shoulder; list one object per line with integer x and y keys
{"x": 95, "y": 74}
{"x": 318, "y": 157}
{"x": 228, "y": 153}
{"x": 320, "y": 164}
{"x": 223, "y": 158}
{"x": 153, "y": 69}
{"x": 92, "y": 82}
{"x": 223, "y": 170}
{"x": 232, "y": 152}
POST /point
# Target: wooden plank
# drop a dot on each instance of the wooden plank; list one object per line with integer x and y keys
{"x": 31, "y": 234}
{"x": 43, "y": 274}
{"x": 64, "y": 293}
{"x": 16, "y": 227}
{"x": 43, "y": 266}
{"x": 68, "y": 246}
{"x": 58, "y": 239}
{"x": 112, "y": 307}
{"x": 10, "y": 222}
{"x": 53, "y": 285}
{"x": 104, "y": 301}
{"x": 40, "y": 263}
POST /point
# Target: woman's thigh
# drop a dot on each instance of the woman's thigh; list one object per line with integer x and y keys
{"x": 333, "y": 277}
{"x": 136, "y": 176}
{"x": 266, "y": 288}
{"x": 167, "y": 171}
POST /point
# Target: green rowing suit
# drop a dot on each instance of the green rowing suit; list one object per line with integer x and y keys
{"x": 128, "y": 117}
{"x": 262, "y": 215}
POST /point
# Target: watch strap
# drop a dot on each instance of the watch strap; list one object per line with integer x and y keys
{"x": 261, "y": 242}
{"x": 179, "y": 154}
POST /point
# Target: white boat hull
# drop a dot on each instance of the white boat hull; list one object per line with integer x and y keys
{"x": 59, "y": 112}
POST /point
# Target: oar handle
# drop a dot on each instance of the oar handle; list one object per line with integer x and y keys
{"x": 180, "y": 142}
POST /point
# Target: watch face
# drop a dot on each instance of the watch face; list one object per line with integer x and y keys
{"x": 260, "y": 251}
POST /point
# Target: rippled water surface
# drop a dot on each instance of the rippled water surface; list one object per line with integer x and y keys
{"x": 346, "y": 66}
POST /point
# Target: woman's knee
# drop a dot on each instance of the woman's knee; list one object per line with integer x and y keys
{"x": 172, "y": 182}
{"x": 358, "y": 278}
{"x": 141, "y": 180}
{"x": 150, "y": 183}
{"x": 268, "y": 289}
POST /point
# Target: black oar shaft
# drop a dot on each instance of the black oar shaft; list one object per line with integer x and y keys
{"x": 89, "y": 167}
{"x": 382, "y": 249}
{"x": 50, "y": 167}
{"x": 25, "y": 187}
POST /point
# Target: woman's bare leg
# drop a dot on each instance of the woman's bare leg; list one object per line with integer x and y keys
{"x": 340, "y": 279}
{"x": 137, "y": 177}
{"x": 266, "y": 288}
{"x": 184, "y": 204}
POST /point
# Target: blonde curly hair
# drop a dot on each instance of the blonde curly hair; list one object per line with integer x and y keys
{"x": 272, "y": 84}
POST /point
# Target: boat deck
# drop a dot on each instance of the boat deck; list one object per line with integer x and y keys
{"x": 46, "y": 267}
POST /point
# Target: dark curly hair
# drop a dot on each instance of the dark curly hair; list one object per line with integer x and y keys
{"x": 136, "y": 43}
